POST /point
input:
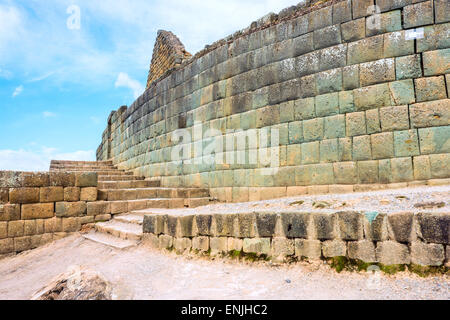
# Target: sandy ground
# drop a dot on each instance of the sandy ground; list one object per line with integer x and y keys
{"x": 142, "y": 273}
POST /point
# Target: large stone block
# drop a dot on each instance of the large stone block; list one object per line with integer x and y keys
{"x": 329, "y": 150}
{"x": 422, "y": 168}
{"x": 35, "y": 179}
{"x": 408, "y": 67}
{"x": 401, "y": 169}
{"x": 355, "y": 123}
{"x": 442, "y": 11}
{"x": 345, "y": 173}
{"x": 434, "y": 227}
{"x": 402, "y": 92}
{"x": 418, "y": 14}
{"x": 203, "y": 223}
{"x": 362, "y": 8}
{"x": 72, "y": 194}
{"x": 304, "y": 109}
{"x": 200, "y": 243}
{"x": 382, "y": 145}
{"x": 401, "y": 226}
{"x": 350, "y": 78}
{"x": 324, "y": 225}
{"x": 98, "y": 208}
{"x": 295, "y": 132}
{"x": 70, "y": 209}
{"x": 329, "y": 81}
{"x": 432, "y": 88}
{"x": 362, "y": 149}
{"x": 368, "y": 172}
{"x": 439, "y": 165}
{"x": 224, "y": 225}
{"x": 370, "y": 97}
{"x": 350, "y": 225}
{"x": 436, "y": 62}
{"x": 257, "y": 245}
{"x": 364, "y": 50}
{"x": 362, "y": 250}
{"x": 396, "y": 44}
{"x": 435, "y": 37}
{"x": 391, "y": 253}
{"x": 434, "y": 140}
{"x": 182, "y": 245}
{"x": 3, "y": 230}
{"x": 15, "y": 228}
{"x": 37, "y": 211}
{"x": 265, "y": 223}
{"x": 24, "y": 195}
{"x": 334, "y": 126}
{"x": 394, "y": 118}
{"x": 295, "y": 225}
{"x": 86, "y": 179}
{"x": 51, "y": 194}
{"x": 6, "y": 246}
{"x": 313, "y": 129}
{"x": 282, "y": 247}
{"x": 335, "y": 248}
{"x": 310, "y": 152}
{"x": 327, "y": 37}
{"x": 377, "y": 71}
{"x": 406, "y": 143}
{"x": 430, "y": 114}
{"x": 388, "y": 22}
{"x": 53, "y": 225}
{"x": 342, "y": 12}
{"x": 88, "y": 194}
{"x": 427, "y": 254}
{"x": 311, "y": 249}
{"x": 9, "y": 212}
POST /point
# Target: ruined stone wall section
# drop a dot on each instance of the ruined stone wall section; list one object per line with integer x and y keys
{"x": 403, "y": 238}
{"x": 168, "y": 53}
{"x": 354, "y": 105}
{"x": 39, "y": 207}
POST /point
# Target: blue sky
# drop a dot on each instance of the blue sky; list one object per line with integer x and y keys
{"x": 58, "y": 83}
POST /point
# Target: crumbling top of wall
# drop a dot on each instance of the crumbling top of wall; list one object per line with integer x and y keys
{"x": 168, "y": 53}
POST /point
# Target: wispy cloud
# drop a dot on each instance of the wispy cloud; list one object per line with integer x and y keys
{"x": 124, "y": 80}
{"x": 48, "y": 114}
{"x": 17, "y": 91}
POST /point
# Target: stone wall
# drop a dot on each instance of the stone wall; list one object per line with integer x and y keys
{"x": 394, "y": 239}
{"x": 168, "y": 53}
{"x": 38, "y": 207}
{"x": 359, "y": 96}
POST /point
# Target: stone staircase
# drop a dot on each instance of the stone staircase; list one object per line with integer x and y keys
{"x": 127, "y": 193}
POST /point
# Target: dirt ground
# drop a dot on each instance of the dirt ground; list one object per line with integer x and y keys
{"x": 143, "y": 273}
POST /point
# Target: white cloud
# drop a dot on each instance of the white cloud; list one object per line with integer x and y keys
{"x": 48, "y": 114}
{"x": 39, "y": 160}
{"x": 124, "y": 80}
{"x": 17, "y": 91}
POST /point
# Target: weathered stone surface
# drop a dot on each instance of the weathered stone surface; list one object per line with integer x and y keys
{"x": 15, "y": 229}
{"x": 98, "y": 208}
{"x": 418, "y": 14}
{"x": 246, "y": 225}
{"x": 86, "y": 179}
{"x": 335, "y": 248}
{"x": 265, "y": 223}
{"x": 53, "y": 225}
{"x": 408, "y": 67}
{"x": 224, "y": 224}
{"x": 406, "y": 143}
{"x": 350, "y": 225}
{"x": 430, "y": 114}
{"x": 9, "y": 212}
{"x": 362, "y": 250}
{"x": 186, "y": 226}
{"x": 218, "y": 245}
{"x": 435, "y": 227}
{"x": 6, "y": 246}
{"x": 88, "y": 194}
{"x": 282, "y": 247}
{"x": 311, "y": 249}
{"x": 200, "y": 243}
{"x": 324, "y": 225}
{"x": 165, "y": 241}
{"x": 391, "y": 253}
{"x": 257, "y": 245}
{"x": 295, "y": 224}
{"x": 24, "y": 195}
{"x": 38, "y": 211}
{"x": 382, "y": 145}
{"x": 400, "y": 225}
{"x": 71, "y": 224}
{"x": 427, "y": 254}
{"x": 182, "y": 245}
{"x": 377, "y": 71}
{"x": 432, "y": 88}
{"x": 70, "y": 209}
{"x": 394, "y": 118}
{"x": 203, "y": 223}
{"x": 436, "y": 62}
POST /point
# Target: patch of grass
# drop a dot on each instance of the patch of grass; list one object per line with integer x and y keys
{"x": 320, "y": 204}
{"x": 427, "y": 271}
{"x": 338, "y": 263}
{"x": 392, "y": 269}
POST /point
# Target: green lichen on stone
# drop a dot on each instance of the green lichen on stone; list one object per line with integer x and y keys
{"x": 426, "y": 271}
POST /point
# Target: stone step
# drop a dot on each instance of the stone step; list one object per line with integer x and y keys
{"x": 128, "y": 184}
{"x": 71, "y": 162}
{"x": 123, "y": 230}
{"x": 125, "y": 206}
{"x": 95, "y": 168}
{"x": 146, "y": 193}
{"x": 102, "y": 178}
{"x": 106, "y": 173}
{"x": 135, "y": 218}
{"x": 110, "y": 240}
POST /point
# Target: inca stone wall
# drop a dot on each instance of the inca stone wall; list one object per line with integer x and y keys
{"x": 39, "y": 207}
{"x": 396, "y": 239}
{"x": 168, "y": 53}
{"x": 358, "y": 94}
